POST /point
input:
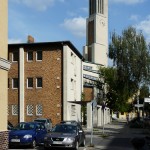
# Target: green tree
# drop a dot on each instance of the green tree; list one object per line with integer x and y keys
{"x": 113, "y": 95}
{"x": 130, "y": 55}
{"x": 131, "y": 67}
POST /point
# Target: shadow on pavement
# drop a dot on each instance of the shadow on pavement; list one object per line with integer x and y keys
{"x": 119, "y": 136}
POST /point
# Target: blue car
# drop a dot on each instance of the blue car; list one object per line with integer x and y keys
{"x": 27, "y": 134}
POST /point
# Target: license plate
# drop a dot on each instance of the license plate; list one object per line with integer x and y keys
{"x": 57, "y": 142}
{"x": 15, "y": 140}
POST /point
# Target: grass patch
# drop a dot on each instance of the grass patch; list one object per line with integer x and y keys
{"x": 91, "y": 145}
{"x": 95, "y": 129}
{"x": 104, "y": 135}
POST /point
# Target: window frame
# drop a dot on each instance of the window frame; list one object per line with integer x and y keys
{"x": 13, "y": 83}
{"x": 39, "y": 87}
{"x": 28, "y": 56}
{"x": 37, "y": 110}
{"x": 13, "y": 109}
{"x": 73, "y": 110}
{"x": 28, "y": 83}
{"x": 38, "y": 54}
{"x": 72, "y": 84}
{"x": 32, "y": 111}
{"x": 14, "y": 57}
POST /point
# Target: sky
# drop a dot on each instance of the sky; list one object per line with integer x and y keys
{"x": 61, "y": 20}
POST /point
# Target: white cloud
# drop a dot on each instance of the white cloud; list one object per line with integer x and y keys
{"x": 77, "y": 26}
{"x": 11, "y": 41}
{"x": 144, "y": 26}
{"x": 134, "y": 17}
{"x": 127, "y": 1}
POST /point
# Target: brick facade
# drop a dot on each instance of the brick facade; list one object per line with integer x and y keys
{"x": 50, "y": 70}
{"x": 4, "y": 140}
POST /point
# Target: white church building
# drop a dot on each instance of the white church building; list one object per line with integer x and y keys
{"x": 95, "y": 54}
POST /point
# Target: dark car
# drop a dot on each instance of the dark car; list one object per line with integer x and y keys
{"x": 70, "y": 121}
{"x": 27, "y": 134}
{"x": 65, "y": 135}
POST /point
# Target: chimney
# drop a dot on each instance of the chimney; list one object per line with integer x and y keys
{"x": 30, "y": 39}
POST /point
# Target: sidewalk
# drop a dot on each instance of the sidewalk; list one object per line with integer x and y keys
{"x": 117, "y": 136}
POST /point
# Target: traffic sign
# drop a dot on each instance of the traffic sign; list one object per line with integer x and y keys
{"x": 138, "y": 105}
{"x": 147, "y": 100}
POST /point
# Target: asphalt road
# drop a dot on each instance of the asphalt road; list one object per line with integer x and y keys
{"x": 119, "y": 138}
{"x": 88, "y": 141}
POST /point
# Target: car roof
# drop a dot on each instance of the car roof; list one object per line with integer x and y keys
{"x": 32, "y": 122}
{"x": 66, "y": 124}
{"x": 70, "y": 122}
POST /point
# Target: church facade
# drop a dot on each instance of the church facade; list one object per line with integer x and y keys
{"x": 96, "y": 47}
{"x": 95, "y": 54}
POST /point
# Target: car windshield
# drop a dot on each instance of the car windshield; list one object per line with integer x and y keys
{"x": 25, "y": 126}
{"x": 43, "y": 121}
{"x": 65, "y": 128}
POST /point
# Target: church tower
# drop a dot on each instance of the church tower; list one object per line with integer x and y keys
{"x": 97, "y": 33}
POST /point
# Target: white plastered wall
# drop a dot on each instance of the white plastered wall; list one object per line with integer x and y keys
{"x": 71, "y": 71}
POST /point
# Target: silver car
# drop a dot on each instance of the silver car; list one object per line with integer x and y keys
{"x": 47, "y": 122}
{"x": 63, "y": 135}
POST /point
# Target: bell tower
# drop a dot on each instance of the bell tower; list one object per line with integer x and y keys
{"x": 97, "y": 33}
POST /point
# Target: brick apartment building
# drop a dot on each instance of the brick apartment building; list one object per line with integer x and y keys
{"x": 44, "y": 79}
{"x": 4, "y": 67}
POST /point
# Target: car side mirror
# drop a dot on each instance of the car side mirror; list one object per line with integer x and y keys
{"x": 38, "y": 129}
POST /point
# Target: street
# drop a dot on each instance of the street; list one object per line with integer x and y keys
{"x": 41, "y": 147}
{"x": 117, "y": 136}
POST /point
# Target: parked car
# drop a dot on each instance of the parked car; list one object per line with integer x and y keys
{"x": 71, "y": 122}
{"x": 65, "y": 135}
{"x": 9, "y": 126}
{"x": 27, "y": 134}
{"x": 47, "y": 122}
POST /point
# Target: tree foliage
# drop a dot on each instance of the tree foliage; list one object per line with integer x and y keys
{"x": 130, "y": 55}
{"x": 131, "y": 67}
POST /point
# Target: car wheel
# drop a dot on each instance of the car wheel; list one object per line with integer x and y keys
{"x": 83, "y": 143}
{"x": 77, "y": 145}
{"x": 46, "y": 148}
{"x": 33, "y": 145}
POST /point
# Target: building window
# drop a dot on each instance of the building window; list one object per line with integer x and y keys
{"x": 75, "y": 66}
{"x": 72, "y": 84}
{"x": 30, "y": 83}
{"x": 122, "y": 113}
{"x": 29, "y": 110}
{"x": 15, "y": 83}
{"x": 38, "y": 82}
{"x": 75, "y": 91}
{"x": 14, "y": 109}
{"x": 30, "y": 56}
{"x": 39, "y": 55}
{"x": 39, "y": 110}
{"x": 73, "y": 110}
{"x": 15, "y": 56}
{"x": 102, "y": 6}
{"x": 72, "y": 58}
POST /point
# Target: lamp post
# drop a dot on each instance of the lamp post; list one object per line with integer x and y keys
{"x": 93, "y": 105}
{"x": 104, "y": 105}
{"x": 103, "y": 108}
{"x": 138, "y": 113}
